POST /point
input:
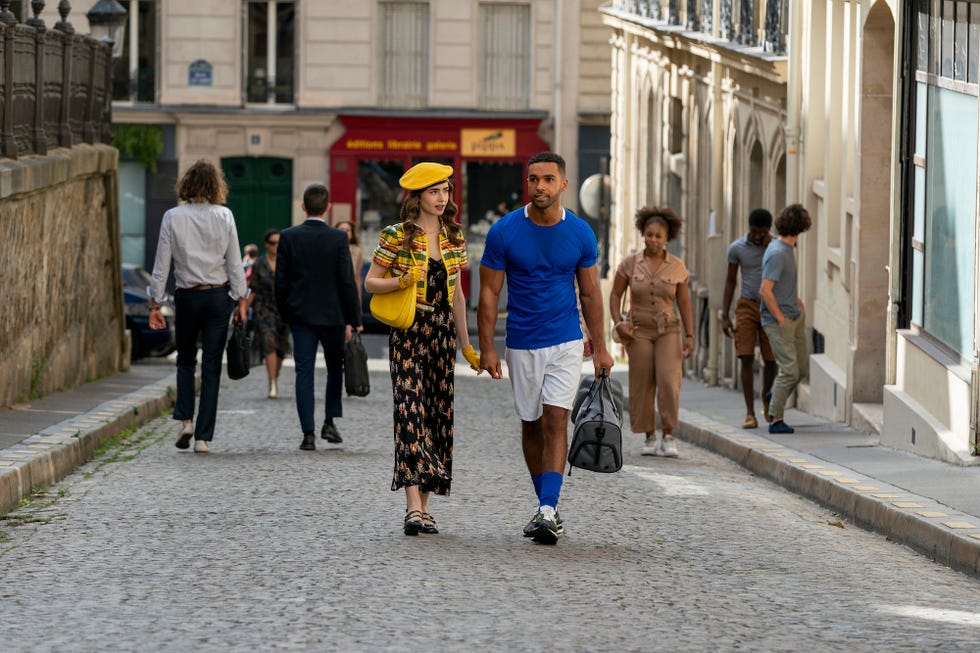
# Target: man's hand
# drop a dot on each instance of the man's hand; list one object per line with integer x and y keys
{"x": 602, "y": 360}
{"x": 490, "y": 361}
{"x": 157, "y": 321}
{"x": 241, "y": 312}
{"x": 726, "y": 327}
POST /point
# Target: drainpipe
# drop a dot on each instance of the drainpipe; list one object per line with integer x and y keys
{"x": 711, "y": 374}
{"x": 556, "y": 117}
{"x": 794, "y": 83}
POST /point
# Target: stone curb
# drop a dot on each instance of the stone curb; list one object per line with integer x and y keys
{"x": 947, "y": 536}
{"x": 49, "y": 456}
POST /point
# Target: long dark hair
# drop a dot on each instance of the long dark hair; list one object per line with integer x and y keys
{"x": 412, "y": 209}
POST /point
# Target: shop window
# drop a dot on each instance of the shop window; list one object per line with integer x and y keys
{"x": 404, "y": 54}
{"x": 505, "y": 56}
{"x": 378, "y": 196}
{"x": 132, "y": 212}
{"x": 270, "y": 51}
{"x": 133, "y": 76}
{"x": 943, "y": 176}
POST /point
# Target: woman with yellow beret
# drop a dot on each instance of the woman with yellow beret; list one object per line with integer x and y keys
{"x": 425, "y": 249}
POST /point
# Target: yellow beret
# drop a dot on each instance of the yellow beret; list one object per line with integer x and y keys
{"x": 423, "y": 175}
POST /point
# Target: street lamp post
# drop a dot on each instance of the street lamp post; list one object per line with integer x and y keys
{"x": 106, "y": 20}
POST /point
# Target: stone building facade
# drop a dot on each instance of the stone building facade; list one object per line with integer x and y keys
{"x": 869, "y": 118}
{"x": 285, "y": 93}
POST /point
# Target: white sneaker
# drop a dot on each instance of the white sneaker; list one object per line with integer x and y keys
{"x": 273, "y": 389}
{"x": 201, "y": 446}
{"x": 652, "y": 445}
{"x": 668, "y": 448}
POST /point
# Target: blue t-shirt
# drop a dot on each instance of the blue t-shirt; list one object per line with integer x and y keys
{"x": 540, "y": 264}
{"x": 779, "y": 266}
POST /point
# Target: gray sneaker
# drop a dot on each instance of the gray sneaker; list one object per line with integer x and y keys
{"x": 668, "y": 448}
{"x": 543, "y": 530}
{"x": 531, "y": 526}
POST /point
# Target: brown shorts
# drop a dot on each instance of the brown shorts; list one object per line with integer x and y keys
{"x": 748, "y": 330}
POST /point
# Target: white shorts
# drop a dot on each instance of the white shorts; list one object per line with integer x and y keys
{"x": 549, "y": 375}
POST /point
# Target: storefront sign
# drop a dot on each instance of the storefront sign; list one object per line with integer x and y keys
{"x": 404, "y": 145}
{"x": 488, "y": 142}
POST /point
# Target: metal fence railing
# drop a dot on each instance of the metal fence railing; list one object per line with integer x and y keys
{"x": 54, "y": 84}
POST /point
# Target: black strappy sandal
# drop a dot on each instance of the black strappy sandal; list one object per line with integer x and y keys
{"x": 429, "y": 524}
{"x": 413, "y": 522}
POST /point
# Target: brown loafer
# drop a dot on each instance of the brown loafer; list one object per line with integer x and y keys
{"x": 750, "y": 422}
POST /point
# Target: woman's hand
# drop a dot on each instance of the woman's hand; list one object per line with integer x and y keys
{"x": 473, "y": 358}
{"x": 688, "y": 348}
{"x": 625, "y": 331}
{"x": 412, "y": 276}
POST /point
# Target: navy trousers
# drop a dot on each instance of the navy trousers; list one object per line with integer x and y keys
{"x": 306, "y": 337}
{"x": 204, "y": 314}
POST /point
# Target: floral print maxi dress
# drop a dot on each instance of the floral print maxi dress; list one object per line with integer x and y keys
{"x": 273, "y": 332}
{"x": 422, "y": 361}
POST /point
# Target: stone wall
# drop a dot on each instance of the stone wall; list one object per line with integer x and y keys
{"x": 60, "y": 288}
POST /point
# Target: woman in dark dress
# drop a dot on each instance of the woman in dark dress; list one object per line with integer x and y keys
{"x": 426, "y": 250}
{"x": 273, "y": 332}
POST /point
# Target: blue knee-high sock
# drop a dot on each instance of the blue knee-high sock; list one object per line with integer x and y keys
{"x": 550, "y": 488}
{"x": 536, "y": 481}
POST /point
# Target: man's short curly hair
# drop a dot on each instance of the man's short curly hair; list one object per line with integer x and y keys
{"x": 669, "y": 219}
{"x": 793, "y": 220}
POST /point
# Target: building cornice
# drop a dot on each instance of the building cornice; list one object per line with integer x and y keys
{"x": 163, "y": 114}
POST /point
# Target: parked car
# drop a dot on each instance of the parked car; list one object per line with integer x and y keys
{"x": 136, "y": 305}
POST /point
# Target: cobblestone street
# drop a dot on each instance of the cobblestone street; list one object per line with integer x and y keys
{"x": 261, "y": 546}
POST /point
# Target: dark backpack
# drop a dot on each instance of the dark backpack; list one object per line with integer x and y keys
{"x": 597, "y": 441}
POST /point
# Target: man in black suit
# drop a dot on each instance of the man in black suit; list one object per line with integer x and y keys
{"x": 317, "y": 297}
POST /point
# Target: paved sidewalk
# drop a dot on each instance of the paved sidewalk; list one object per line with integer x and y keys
{"x": 44, "y": 440}
{"x": 929, "y": 505}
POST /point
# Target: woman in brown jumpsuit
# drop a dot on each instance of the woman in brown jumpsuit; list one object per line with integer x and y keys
{"x": 651, "y": 330}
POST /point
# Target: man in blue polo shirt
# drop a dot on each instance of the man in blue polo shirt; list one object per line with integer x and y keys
{"x": 542, "y": 250}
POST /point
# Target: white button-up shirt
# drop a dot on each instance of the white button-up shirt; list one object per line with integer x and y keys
{"x": 202, "y": 242}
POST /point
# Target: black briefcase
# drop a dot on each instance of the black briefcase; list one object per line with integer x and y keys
{"x": 357, "y": 381}
{"x": 239, "y": 351}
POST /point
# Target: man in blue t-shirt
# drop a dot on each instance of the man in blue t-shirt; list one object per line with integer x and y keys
{"x": 782, "y": 312}
{"x": 542, "y": 250}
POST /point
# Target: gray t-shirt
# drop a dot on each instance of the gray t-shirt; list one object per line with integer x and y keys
{"x": 779, "y": 265}
{"x": 748, "y": 257}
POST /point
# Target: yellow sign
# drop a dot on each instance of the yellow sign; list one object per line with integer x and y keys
{"x": 488, "y": 142}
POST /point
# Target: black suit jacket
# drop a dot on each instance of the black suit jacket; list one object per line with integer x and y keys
{"x": 314, "y": 277}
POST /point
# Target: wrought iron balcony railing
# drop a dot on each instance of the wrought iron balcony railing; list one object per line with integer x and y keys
{"x": 737, "y": 20}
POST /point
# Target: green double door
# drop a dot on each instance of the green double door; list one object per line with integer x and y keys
{"x": 260, "y": 194}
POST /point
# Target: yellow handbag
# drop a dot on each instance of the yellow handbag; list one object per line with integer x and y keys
{"x": 395, "y": 308}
